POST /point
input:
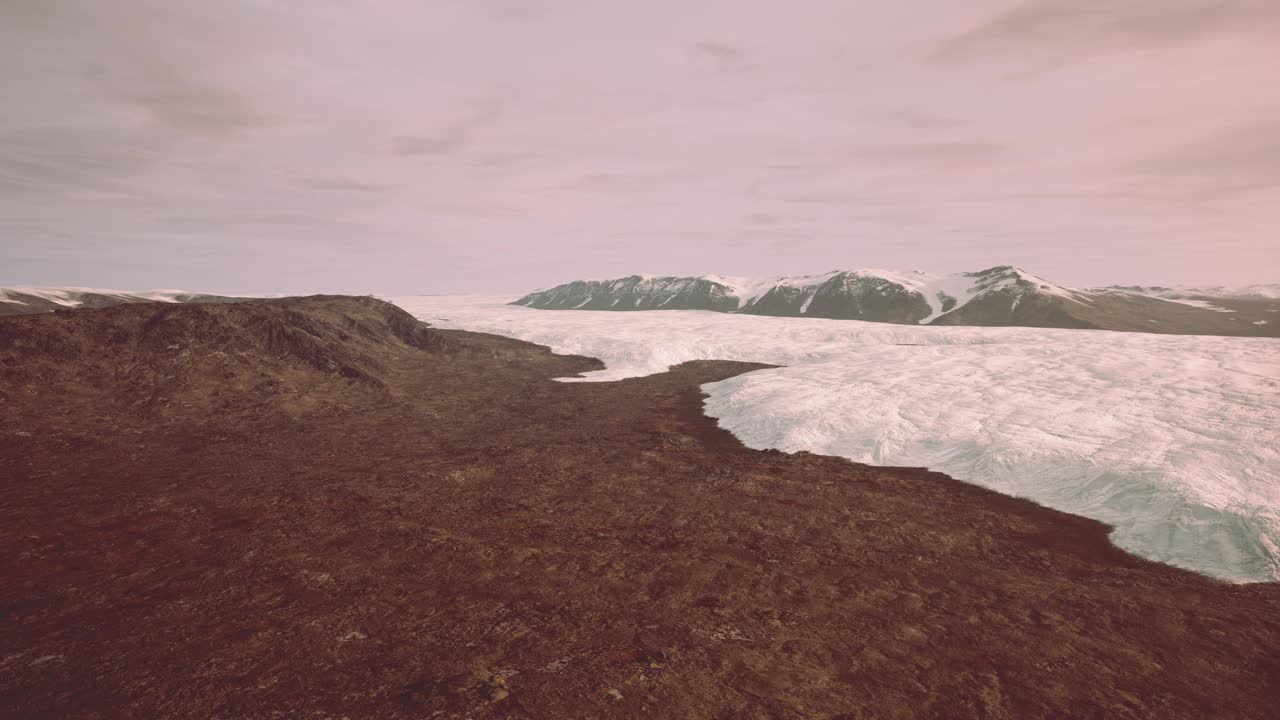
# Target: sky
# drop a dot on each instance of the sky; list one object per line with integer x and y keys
{"x": 498, "y": 146}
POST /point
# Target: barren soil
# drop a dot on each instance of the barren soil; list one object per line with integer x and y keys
{"x": 314, "y": 508}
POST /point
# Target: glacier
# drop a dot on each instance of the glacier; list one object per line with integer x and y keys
{"x": 1172, "y": 440}
{"x": 67, "y": 296}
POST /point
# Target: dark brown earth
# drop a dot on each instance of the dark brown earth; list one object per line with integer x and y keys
{"x": 316, "y": 509}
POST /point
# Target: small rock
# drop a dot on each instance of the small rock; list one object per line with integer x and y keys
{"x": 352, "y": 635}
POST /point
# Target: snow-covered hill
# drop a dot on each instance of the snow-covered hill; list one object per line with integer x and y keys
{"x": 998, "y": 296}
{"x": 1224, "y": 292}
{"x": 24, "y": 300}
{"x": 1169, "y": 439}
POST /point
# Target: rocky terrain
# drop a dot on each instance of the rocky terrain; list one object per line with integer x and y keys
{"x": 317, "y": 508}
{"x": 999, "y": 296}
{"x": 27, "y": 300}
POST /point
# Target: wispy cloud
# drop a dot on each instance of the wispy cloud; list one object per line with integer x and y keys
{"x": 414, "y": 145}
{"x": 939, "y": 155}
{"x": 1247, "y": 157}
{"x": 1076, "y": 28}
{"x": 720, "y": 55}
{"x": 339, "y": 184}
{"x": 190, "y": 107}
{"x": 54, "y": 159}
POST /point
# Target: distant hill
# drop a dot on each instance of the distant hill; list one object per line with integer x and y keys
{"x": 28, "y": 300}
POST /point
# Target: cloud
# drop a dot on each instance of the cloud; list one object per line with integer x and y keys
{"x": 1244, "y": 158}
{"x": 454, "y": 132}
{"x": 721, "y": 55}
{"x": 1079, "y": 28}
{"x": 59, "y": 159}
{"x": 414, "y": 145}
{"x": 938, "y": 155}
{"x": 621, "y": 183}
{"x": 919, "y": 119}
{"x": 191, "y": 107}
{"x": 340, "y": 184}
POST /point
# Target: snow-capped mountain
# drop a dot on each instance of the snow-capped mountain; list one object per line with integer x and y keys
{"x": 637, "y": 293}
{"x": 998, "y": 296}
{"x": 27, "y": 300}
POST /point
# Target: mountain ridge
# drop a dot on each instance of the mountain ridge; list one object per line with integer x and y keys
{"x": 1003, "y": 295}
{"x": 26, "y": 300}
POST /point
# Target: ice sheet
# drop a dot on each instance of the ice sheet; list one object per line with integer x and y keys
{"x": 1171, "y": 439}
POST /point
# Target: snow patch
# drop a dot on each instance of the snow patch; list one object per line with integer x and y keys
{"x": 1243, "y": 292}
{"x": 1205, "y": 304}
{"x": 749, "y": 290}
{"x": 959, "y": 287}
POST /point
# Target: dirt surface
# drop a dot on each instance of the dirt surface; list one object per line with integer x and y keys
{"x": 315, "y": 509}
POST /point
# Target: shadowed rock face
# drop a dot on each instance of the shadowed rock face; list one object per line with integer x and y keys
{"x": 998, "y": 296}
{"x": 851, "y": 296}
{"x": 205, "y": 517}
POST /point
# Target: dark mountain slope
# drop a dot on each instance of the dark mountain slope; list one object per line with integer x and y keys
{"x": 635, "y": 292}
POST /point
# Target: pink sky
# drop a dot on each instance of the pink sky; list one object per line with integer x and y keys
{"x": 421, "y": 146}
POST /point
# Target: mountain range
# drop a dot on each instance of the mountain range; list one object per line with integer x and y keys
{"x": 998, "y": 296}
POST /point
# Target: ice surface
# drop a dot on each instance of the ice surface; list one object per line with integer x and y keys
{"x": 1171, "y": 439}
{"x": 1255, "y": 292}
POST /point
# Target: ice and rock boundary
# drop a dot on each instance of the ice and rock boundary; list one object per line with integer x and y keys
{"x": 1169, "y": 439}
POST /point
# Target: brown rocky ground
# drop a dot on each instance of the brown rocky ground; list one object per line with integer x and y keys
{"x": 316, "y": 509}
